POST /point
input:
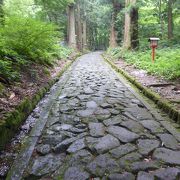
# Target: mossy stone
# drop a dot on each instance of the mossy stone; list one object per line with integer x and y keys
{"x": 165, "y": 106}
{"x": 12, "y": 120}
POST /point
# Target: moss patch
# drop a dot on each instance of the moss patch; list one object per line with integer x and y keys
{"x": 1, "y": 88}
{"x": 13, "y": 120}
{"x": 161, "y": 103}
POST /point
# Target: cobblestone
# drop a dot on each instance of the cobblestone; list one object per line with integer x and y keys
{"x": 97, "y": 128}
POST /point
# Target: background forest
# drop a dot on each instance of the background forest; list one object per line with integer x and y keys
{"x": 40, "y": 31}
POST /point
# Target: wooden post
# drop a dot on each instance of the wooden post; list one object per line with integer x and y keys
{"x": 153, "y": 54}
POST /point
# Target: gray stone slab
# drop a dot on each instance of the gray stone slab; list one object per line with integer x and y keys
{"x": 52, "y": 139}
{"x": 152, "y": 125}
{"x": 145, "y": 176}
{"x": 74, "y": 173}
{"x": 144, "y": 166}
{"x": 91, "y": 142}
{"x": 80, "y": 158}
{"x": 76, "y": 146}
{"x": 85, "y": 113}
{"x": 167, "y": 125}
{"x": 63, "y": 127}
{"x": 113, "y": 121}
{"x": 126, "y": 161}
{"x": 102, "y": 164}
{"x": 73, "y": 102}
{"x": 106, "y": 143}
{"x": 77, "y": 130}
{"x": 45, "y": 164}
{"x": 102, "y": 114}
{"x": 170, "y": 173}
{"x": 167, "y": 155}
{"x": 61, "y": 147}
{"x": 91, "y": 105}
{"x": 169, "y": 141}
{"x": 122, "y": 134}
{"x": 133, "y": 126}
{"x": 43, "y": 149}
{"x": 145, "y": 146}
{"x": 122, "y": 150}
{"x": 139, "y": 113}
{"x": 96, "y": 129}
{"x": 88, "y": 91}
{"x": 124, "y": 176}
{"x": 106, "y": 105}
{"x": 114, "y": 111}
{"x": 83, "y": 97}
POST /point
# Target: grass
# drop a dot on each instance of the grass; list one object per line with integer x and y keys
{"x": 167, "y": 62}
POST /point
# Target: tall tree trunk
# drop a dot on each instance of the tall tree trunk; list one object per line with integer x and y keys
{"x": 113, "y": 35}
{"x": 134, "y": 28}
{"x": 131, "y": 26}
{"x": 71, "y": 26}
{"x": 170, "y": 20}
{"x": 79, "y": 27}
{"x": 113, "y": 32}
{"x": 127, "y": 28}
{"x": 84, "y": 34}
{"x": 160, "y": 18}
{"x": 1, "y": 12}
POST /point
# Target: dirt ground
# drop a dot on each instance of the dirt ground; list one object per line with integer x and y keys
{"x": 14, "y": 95}
{"x": 169, "y": 90}
{"x": 30, "y": 82}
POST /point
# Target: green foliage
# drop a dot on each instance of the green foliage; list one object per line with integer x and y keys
{"x": 98, "y": 16}
{"x": 29, "y": 39}
{"x": 64, "y": 52}
{"x": 53, "y": 11}
{"x": 153, "y": 19}
{"x": 23, "y": 8}
{"x": 7, "y": 73}
{"x": 26, "y": 40}
{"x": 167, "y": 62}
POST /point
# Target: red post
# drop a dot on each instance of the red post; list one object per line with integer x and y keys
{"x": 153, "y": 52}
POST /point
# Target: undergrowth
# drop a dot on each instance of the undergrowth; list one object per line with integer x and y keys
{"x": 167, "y": 62}
{"x": 25, "y": 40}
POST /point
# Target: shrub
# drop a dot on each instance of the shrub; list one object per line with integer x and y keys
{"x": 28, "y": 39}
{"x": 167, "y": 63}
{"x": 7, "y": 73}
{"x": 25, "y": 40}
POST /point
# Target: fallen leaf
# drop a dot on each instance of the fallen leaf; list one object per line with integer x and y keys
{"x": 12, "y": 95}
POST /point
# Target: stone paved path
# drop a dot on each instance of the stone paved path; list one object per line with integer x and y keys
{"x": 97, "y": 128}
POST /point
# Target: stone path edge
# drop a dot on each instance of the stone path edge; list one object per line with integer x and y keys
{"x": 13, "y": 120}
{"x": 29, "y": 143}
{"x": 161, "y": 103}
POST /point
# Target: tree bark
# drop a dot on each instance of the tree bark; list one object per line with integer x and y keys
{"x": 170, "y": 20}
{"x": 113, "y": 35}
{"x": 131, "y": 26}
{"x": 134, "y": 28}
{"x": 79, "y": 28}
{"x": 84, "y": 34}
{"x": 113, "y": 32}
{"x": 1, "y": 12}
{"x": 71, "y": 26}
{"x": 127, "y": 28}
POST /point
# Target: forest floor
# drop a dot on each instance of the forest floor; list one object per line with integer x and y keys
{"x": 167, "y": 89}
{"x": 31, "y": 81}
{"x": 14, "y": 94}
{"x": 93, "y": 124}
